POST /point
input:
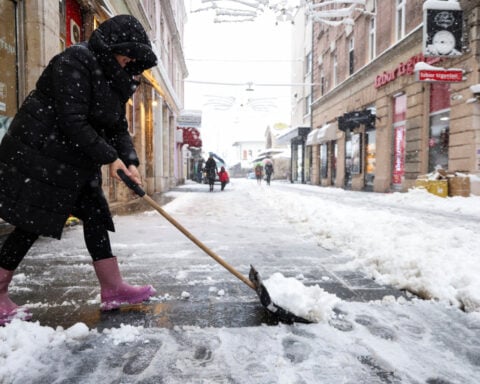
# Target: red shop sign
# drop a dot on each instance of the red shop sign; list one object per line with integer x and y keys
{"x": 402, "y": 69}
{"x": 441, "y": 75}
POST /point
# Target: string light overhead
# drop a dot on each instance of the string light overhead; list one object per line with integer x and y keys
{"x": 330, "y": 12}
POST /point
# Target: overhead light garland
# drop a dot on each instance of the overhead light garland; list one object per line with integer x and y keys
{"x": 330, "y": 12}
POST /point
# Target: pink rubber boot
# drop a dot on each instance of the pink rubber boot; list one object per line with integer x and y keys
{"x": 8, "y": 309}
{"x": 114, "y": 291}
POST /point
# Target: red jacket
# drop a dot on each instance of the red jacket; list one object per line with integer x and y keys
{"x": 223, "y": 176}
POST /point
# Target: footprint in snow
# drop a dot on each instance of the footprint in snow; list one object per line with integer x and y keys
{"x": 295, "y": 350}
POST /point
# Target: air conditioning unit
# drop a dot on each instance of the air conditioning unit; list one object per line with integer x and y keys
{"x": 75, "y": 32}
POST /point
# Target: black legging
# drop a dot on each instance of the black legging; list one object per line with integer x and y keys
{"x": 20, "y": 241}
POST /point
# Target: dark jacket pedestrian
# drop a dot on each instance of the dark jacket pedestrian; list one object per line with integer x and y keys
{"x": 211, "y": 171}
{"x": 70, "y": 125}
{"x": 268, "y": 171}
{"x": 224, "y": 178}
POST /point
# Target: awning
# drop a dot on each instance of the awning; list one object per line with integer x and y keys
{"x": 351, "y": 120}
{"x": 319, "y": 136}
{"x": 312, "y": 138}
{"x": 191, "y": 136}
{"x": 295, "y": 135}
{"x": 327, "y": 133}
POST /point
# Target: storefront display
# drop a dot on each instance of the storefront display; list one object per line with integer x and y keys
{"x": 8, "y": 60}
{"x": 399, "y": 139}
{"x": 370, "y": 158}
{"x": 439, "y": 133}
{"x": 356, "y": 153}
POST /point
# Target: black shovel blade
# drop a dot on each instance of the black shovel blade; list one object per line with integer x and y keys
{"x": 282, "y": 314}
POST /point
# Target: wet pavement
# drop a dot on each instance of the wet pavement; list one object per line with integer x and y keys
{"x": 57, "y": 282}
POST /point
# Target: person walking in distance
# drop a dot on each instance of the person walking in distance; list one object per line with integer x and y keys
{"x": 71, "y": 124}
{"x": 211, "y": 170}
{"x": 268, "y": 170}
{"x": 259, "y": 173}
{"x": 224, "y": 178}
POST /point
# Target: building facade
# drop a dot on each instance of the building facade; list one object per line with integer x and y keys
{"x": 375, "y": 125}
{"x": 301, "y": 117}
{"x": 31, "y": 33}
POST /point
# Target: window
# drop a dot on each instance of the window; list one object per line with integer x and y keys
{"x": 322, "y": 83}
{"x": 148, "y": 8}
{"x": 335, "y": 70}
{"x": 308, "y": 63}
{"x": 400, "y": 19}
{"x": 372, "y": 40}
{"x": 308, "y": 104}
{"x": 351, "y": 57}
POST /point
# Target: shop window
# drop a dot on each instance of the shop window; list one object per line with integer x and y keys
{"x": 439, "y": 132}
{"x": 438, "y": 141}
{"x": 356, "y": 153}
{"x": 324, "y": 161}
{"x": 8, "y": 61}
{"x": 348, "y": 158}
{"x": 370, "y": 158}
{"x": 399, "y": 140}
{"x": 334, "y": 157}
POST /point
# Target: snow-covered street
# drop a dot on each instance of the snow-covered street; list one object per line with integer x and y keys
{"x": 205, "y": 326}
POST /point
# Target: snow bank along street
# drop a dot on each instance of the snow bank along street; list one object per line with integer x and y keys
{"x": 366, "y": 250}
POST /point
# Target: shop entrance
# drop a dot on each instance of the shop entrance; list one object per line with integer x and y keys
{"x": 370, "y": 160}
{"x": 348, "y": 159}
{"x": 438, "y": 140}
{"x": 334, "y": 155}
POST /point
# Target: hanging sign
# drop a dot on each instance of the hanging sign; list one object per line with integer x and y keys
{"x": 442, "y": 28}
{"x": 190, "y": 118}
{"x": 429, "y": 73}
{"x": 448, "y": 76}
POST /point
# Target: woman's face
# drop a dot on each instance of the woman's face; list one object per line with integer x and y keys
{"x": 123, "y": 60}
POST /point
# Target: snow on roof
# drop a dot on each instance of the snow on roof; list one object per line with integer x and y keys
{"x": 451, "y": 5}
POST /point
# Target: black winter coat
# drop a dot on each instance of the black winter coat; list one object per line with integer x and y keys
{"x": 70, "y": 125}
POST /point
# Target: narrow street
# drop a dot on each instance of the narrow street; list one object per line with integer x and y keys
{"x": 206, "y": 326}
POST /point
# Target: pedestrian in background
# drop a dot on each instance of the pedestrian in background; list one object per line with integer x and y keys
{"x": 259, "y": 173}
{"x": 50, "y": 158}
{"x": 268, "y": 170}
{"x": 224, "y": 178}
{"x": 211, "y": 170}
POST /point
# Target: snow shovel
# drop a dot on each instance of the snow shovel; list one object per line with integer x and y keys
{"x": 254, "y": 281}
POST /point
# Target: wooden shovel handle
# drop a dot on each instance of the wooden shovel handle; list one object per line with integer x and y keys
{"x": 139, "y": 191}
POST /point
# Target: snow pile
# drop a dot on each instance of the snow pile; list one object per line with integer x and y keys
{"x": 23, "y": 343}
{"x": 415, "y": 241}
{"x": 124, "y": 334}
{"x": 310, "y": 303}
